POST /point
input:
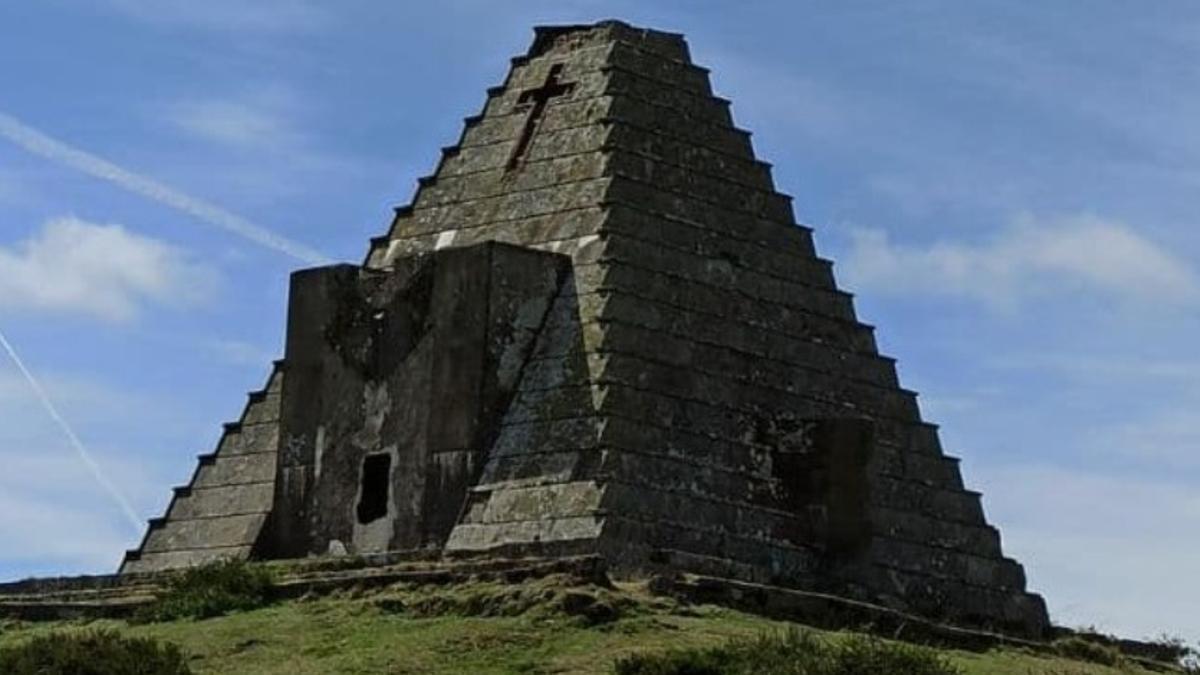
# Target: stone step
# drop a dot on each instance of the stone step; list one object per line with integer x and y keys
{"x": 119, "y": 596}
{"x": 221, "y": 511}
{"x": 200, "y": 533}
{"x": 146, "y": 562}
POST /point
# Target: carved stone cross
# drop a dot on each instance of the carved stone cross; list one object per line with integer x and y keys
{"x": 540, "y": 97}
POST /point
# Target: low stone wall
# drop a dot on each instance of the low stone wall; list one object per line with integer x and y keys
{"x": 120, "y": 596}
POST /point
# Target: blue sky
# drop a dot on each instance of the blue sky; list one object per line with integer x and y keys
{"x": 1010, "y": 189}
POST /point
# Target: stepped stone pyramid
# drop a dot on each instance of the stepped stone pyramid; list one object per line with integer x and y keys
{"x": 598, "y": 328}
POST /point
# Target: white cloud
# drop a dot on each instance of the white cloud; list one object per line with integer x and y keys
{"x": 1029, "y": 259}
{"x": 260, "y": 123}
{"x": 105, "y": 271}
{"x": 1115, "y": 551}
{"x": 263, "y": 16}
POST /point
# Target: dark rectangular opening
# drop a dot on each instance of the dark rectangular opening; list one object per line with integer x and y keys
{"x": 376, "y": 479}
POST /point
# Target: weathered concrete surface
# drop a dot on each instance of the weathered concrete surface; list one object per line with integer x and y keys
{"x": 408, "y": 372}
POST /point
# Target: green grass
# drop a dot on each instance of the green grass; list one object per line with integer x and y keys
{"x": 211, "y": 590}
{"x": 541, "y": 626}
{"x": 794, "y": 652}
{"x": 102, "y": 652}
{"x": 1085, "y": 650}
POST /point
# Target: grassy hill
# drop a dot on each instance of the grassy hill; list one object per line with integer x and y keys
{"x": 548, "y": 625}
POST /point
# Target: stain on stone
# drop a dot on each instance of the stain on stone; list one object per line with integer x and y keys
{"x": 377, "y": 321}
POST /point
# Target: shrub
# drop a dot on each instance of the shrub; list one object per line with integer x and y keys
{"x": 553, "y": 595}
{"x": 870, "y": 655}
{"x": 1081, "y": 649}
{"x": 1174, "y": 649}
{"x": 1189, "y": 657}
{"x": 94, "y": 653}
{"x": 792, "y": 653}
{"x": 210, "y": 590}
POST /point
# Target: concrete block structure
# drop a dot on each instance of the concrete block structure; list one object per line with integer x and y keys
{"x": 597, "y": 328}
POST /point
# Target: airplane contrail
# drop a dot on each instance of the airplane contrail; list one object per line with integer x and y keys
{"x": 40, "y": 144}
{"x": 77, "y": 444}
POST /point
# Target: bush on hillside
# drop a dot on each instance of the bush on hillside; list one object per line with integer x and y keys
{"x": 210, "y": 590}
{"x": 94, "y": 653}
{"x": 792, "y": 653}
{"x": 1082, "y": 649}
{"x": 1174, "y": 648}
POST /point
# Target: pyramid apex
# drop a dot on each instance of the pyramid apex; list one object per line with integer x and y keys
{"x": 546, "y": 37}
